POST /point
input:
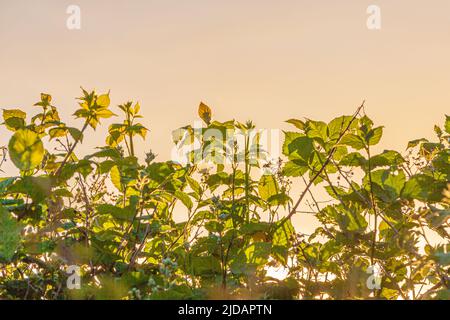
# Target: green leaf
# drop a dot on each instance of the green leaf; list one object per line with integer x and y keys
{"x": 5, "y": 183}
{"x": 138, "y": 129}
{"x": 13, "y": 113}
{"x": 337, "y": 126}
{"x": 297, "y": 123}
{"x": 116, "y": 178}
{"x": 443, "y": 258}
{"x": 390, "y": 294}
{"x": 353, "y": 141}
{"x": 116, "y": 212}
{"x": 438, "y": 217}
{"x": 427, "y": 148}
{"x": 176, "y": 292}
{"x": 423, "y": 188}
{"x": 214, "y": 226}
{"x": 38, "y": 188}
{"x": 10, "y": 238}
{"x": 67, "y": 171}
{"x": 84, "y": 167}
{"x": 106, "y": 153}
{"x": 374, "y": 136}
{"x": 57, "y": 132}
{"x": 14, "y": 124}
{"x": 195, "y": 186}
{"x": 281, "y": 240}
{"x": 447, "y": 124}
{"x": 258, "y": 253}
{"x": 317, "y": 130}
{"x": 349, "y": 219}
{"x": 387, "y": 158}
{"x": 184, "y": 198}
{"x": 354, "y": 221}
{"x": 76, "y": 134}
{"x": 297, "y": 146}
{"x": 254, "y": 227}
{"x": 413, "y": 143}
{"x": 202, "y": 266}
{"x": 62, "y": 193}
{"x": 279, "y": 199}
{"x": 26, "y": 149}
{"x": 391, "y": 183}
{"x": 295, "y": 168}
{"x": 105, "y": 166}
{"x": 283, "y": 233}
{"x": 14, "y": 119}
{"x": 353, "y": 159}
{"x": 267, "y": 187}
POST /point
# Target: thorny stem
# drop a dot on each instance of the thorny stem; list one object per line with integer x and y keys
{"x": 319, "y": 172}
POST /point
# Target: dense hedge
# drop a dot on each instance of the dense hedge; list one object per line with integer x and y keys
{"x": 109, "y": 216}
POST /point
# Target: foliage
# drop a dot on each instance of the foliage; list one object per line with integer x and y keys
{"x": 117, "y": 217}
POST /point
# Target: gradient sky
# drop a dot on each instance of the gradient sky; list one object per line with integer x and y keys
{"x": 262, "y": 60}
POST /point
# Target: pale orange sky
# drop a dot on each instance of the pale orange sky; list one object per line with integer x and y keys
{"x": 262, "y": 60}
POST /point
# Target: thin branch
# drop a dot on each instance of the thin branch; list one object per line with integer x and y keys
{"x": 318, "y": 173}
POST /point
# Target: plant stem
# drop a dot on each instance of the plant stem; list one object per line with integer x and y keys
{"x": 247, "y": 173}
{"x": 318, "y": 173}
{"x": 69, "y": 153}
{"x": 373, "y": 205}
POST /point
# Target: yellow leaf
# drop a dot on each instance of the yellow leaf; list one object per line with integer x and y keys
{"x": 115, "y": 178}
{"x": 205, "y": 113}
{"x": 13, "y": 113}
{"x": 46, "y": 97}
{"x": 137, "y": 107}
{"x": 259, "y": 236}
{"x": 26, "y": 149}
{"x": 105, "y": 113}
{"x": 103, "y": 100}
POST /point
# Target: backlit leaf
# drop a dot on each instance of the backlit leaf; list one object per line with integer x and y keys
{"x": 9, "y": 235}
{"x": 204, "y": 113}
{"x": 26, "y": 149}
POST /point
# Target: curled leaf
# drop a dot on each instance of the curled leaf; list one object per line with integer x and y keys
{"x": 205, "y": 113}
